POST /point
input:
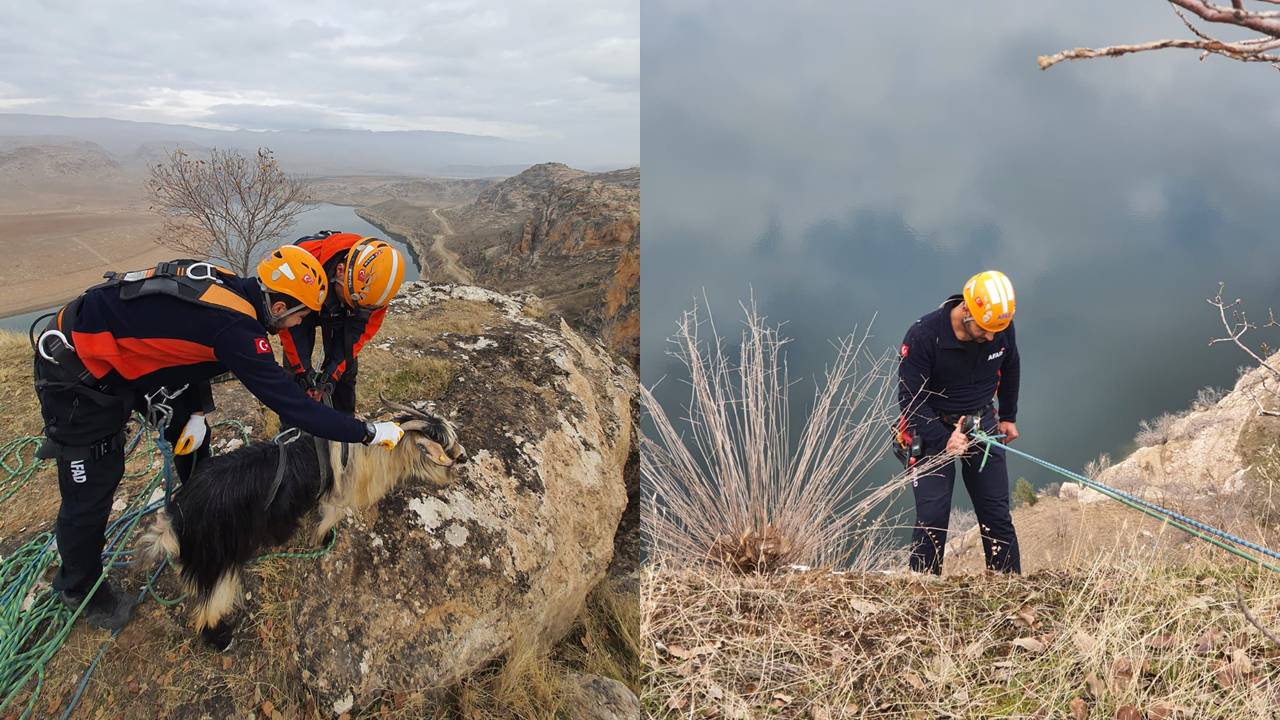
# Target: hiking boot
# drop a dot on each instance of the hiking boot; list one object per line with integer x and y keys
{"x": 219, "y": 637}
{"x": 109, "y": 608}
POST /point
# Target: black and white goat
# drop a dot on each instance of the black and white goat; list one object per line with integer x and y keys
{"x": 225, "y": 514}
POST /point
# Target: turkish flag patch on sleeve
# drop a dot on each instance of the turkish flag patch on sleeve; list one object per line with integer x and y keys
{"x": 903, "y": 351}
{"x": 261, "y": 345}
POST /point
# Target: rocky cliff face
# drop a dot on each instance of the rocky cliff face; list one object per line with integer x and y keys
{"x": 571, "y": 237}
{"x": 432, "y": 584}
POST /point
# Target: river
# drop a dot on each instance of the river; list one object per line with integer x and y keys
{"x": 871, "y": 169}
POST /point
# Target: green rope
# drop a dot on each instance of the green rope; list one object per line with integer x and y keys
{"x": 18, "y": 470}
{"x": 321, "y": 552}
{"x": 34, "y": 623}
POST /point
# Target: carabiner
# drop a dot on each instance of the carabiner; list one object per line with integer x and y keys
{"x": 57, "y": 334}
{"x": 206, "y": 272}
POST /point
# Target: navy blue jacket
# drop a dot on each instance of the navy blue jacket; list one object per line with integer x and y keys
{"x": 159, "y": 340}
{"x": 938, "y": 374}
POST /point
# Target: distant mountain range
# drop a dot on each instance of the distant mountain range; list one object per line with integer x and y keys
{"x": 133, "y": 145}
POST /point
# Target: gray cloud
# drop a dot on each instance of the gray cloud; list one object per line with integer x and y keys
{"x": 564, "y": 73}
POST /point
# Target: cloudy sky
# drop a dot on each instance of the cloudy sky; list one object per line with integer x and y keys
{"x": 557, "y": 72}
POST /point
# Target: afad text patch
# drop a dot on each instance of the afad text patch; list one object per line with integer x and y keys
{"x": 261, "y": 345}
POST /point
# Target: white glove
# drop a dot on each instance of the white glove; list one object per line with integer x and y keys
{"x": 192, "y": 435}
{"x": 386, "y": 434}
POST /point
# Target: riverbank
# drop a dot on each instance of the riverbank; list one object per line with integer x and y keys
{"x": 423, "y": 242}
{"x": 405, "y": 238}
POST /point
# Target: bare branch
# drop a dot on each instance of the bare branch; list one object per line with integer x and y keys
{"x": 1253, "y": 620}
{"x": 1237, "y": 328}
{"x": 1265, "y": 23}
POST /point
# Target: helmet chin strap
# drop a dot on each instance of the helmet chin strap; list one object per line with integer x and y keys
{"x": 274, "y": 321}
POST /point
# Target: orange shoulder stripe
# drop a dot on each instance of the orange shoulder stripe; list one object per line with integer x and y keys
{"x": 218, "y": 295}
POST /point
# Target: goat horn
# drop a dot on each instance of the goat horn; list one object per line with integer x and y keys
{"x": 402, "y": 407}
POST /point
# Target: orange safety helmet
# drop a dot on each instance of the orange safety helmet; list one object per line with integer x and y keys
{"x": 292, "y": 271}
{"x": 373, "y": 272}
{"x": 989, "y": 297}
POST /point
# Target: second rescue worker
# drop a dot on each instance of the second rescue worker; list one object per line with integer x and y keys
{"x": 366, "y": 272}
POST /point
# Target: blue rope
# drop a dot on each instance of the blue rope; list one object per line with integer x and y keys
{"x": 1102, "y": 487}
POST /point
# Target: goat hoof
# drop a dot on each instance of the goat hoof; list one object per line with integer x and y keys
{"x": 219, "y": 637}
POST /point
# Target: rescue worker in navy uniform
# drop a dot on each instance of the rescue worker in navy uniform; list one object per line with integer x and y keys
{"x": 174, "y": 326}
{"x": 954, "y": 362}
{"x": 366, "y": 274}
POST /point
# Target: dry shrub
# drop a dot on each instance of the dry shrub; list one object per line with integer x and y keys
{"x": 1094, "y": 468}
{"x": 1156, "y": 432}
{"x": 732, "y": 487}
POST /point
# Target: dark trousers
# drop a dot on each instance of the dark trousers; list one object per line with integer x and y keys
{"x": 344, "y": 391}
{"x": 988, "y": 487}
{"x": 86, "y": 439}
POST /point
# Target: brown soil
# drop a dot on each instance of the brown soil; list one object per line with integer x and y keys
{"x": 1054, "y": 534}
{"x": 52, "y": 256}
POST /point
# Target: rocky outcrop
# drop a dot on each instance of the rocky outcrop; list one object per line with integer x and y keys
{"x": 601, "y": 698}
{"x": 1209, "y": 450}
{"x": 432, "y": 584}
{"x": 568, "y": 236}
{"x": 528, "y": 190}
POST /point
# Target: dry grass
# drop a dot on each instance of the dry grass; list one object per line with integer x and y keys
{"x": 462, "y": 317}
{"x": 419, "y": 378}
{"x": 1151, "y": 636}
{"x": 533, "y": 683}
{"x": 19, "y": 408}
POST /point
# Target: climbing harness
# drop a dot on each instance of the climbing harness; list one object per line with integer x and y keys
{"x": 1203, "y": 531}
{"x": 281, "y": 439}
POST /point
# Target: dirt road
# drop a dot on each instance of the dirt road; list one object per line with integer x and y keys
{"x": 449, "y": 265}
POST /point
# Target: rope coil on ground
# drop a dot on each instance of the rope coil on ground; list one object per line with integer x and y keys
{"x": 33, "y": 621}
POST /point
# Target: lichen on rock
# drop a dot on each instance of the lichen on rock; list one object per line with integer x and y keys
{"x": 434, "y": 583}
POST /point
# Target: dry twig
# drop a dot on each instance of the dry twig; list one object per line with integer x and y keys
{"x": 1265, "y": 23}
{"x": 1248, "y": 615}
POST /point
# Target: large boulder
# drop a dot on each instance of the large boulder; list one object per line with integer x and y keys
{"x": 434, "y": 583}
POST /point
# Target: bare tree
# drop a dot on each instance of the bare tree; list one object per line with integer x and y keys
{"x": 1263, "y": 25}
{"x": 1236, "y": 326}
{"x": 227, "y": 207}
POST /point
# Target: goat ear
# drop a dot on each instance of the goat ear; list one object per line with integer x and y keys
{"x": 435, "y": 453}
